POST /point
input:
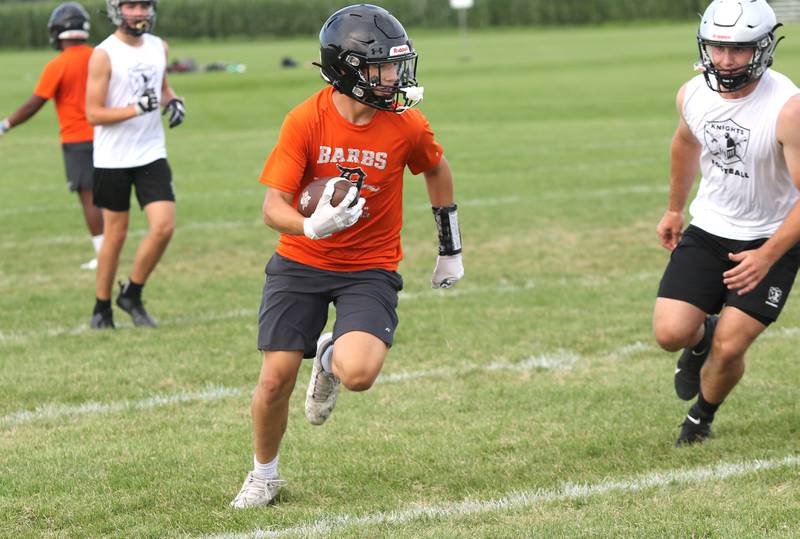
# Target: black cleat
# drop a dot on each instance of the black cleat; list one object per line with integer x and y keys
{"x": 687, "y": 373}
{"x": 694, "y": 430}
{"x": 102, "y": 320}
{"x": 135, "y": 308}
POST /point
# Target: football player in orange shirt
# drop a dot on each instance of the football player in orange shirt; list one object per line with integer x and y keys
{"x": 363, "y": 128}
{"x": 64, "y": 79}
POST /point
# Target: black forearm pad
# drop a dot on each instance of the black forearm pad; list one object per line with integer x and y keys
{"x": 447, "y": 226}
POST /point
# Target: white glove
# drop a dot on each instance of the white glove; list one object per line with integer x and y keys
{"x": 5, "y": 125}
{"x": 448, "y": 270}
{"x": 327, "y": 219}
{"x": 147, "y": 102}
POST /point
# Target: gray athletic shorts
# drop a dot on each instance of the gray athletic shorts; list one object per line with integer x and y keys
{"x": 79, "y": 166}
{"x": 294, "y": 306}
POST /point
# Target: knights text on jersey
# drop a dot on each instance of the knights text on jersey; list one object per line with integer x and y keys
{"x": 746, "y": 190}
{"x": 316, "y": 141}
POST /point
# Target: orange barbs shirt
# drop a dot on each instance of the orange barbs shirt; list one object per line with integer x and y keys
{"x": 314, "y": 139}
{"x": 64, "y": 79}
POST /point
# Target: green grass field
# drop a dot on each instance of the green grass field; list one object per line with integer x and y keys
{"x": 528, "y": 401}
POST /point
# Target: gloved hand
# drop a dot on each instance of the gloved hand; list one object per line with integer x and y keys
{"x": 147, "y": 102}
{"x": 4, "y": 126}
{"x": 448, "y": 270}
{"x": 327, "y": 219}
{"x": 177, "y": 111}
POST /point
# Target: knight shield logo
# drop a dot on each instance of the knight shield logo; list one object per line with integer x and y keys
{"x": 727, "y": 141}
{"x": 774, "y": 296}
{"x": 142, "y": 77}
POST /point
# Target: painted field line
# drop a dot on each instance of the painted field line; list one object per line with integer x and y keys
{"x": 557, "y": 361}
{"x": 519, "y": 500}
{"x": 55, "y": 411}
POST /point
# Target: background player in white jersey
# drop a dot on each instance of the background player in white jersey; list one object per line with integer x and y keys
{"x": 740, "y": 126}
{"x": 127, "y": 82}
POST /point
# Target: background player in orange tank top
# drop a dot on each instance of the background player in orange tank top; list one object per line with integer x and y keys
{"x": 64, "y": 80}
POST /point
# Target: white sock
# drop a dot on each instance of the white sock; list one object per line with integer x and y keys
{"x": 97, "y": 241}
{"x": 326, "y": 360}
{"x": 268, "y": 470}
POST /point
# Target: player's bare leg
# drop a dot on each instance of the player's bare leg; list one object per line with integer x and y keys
{"x": 677, "y": 324}
{"x": 270, "y": 412}
{"x": 357, "y": 359}
{"x": 720, "y": 373}
{"x": 115, "y": 230}
{"x": 735, "y": 333}
{"x": 161, "y": 225}
{"x": 94, "y": 222}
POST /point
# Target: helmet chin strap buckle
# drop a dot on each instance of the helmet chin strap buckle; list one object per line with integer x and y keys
{"x": 699, "y": 67}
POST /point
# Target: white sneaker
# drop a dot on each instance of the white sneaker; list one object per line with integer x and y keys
{"x": 323, "y": 386}
{"x": 90, "y": 265}
{"x": 257, "y": 491}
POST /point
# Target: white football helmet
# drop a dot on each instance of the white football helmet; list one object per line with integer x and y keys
{"x": 133, "y": 27}
{"x": 737, "y": 23}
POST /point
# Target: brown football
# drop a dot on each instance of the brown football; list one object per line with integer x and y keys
{"x": 309, "y": 197}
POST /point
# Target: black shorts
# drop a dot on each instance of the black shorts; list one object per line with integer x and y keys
{"x": 112, "y": 186}
{"x": 694, "y": 275}
{"x": 294, "y": 306}
{"x": 78, "y": 165}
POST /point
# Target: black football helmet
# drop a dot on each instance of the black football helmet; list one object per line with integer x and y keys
{"x": 366, "y": 54}
{"x": 132, "y": 27}
{"x": 68, "y": 21}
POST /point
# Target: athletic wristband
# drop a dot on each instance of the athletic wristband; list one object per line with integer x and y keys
{"x": 447, "y": 226}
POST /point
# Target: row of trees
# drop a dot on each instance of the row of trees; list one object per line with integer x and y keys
{"x": 22, "y": 23}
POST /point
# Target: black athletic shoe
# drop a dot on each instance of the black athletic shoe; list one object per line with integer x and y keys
{"x": 102, "y": 320}
{"x": 694, "y": 430}
{"x": 135, "y": 308}
{"x": 687, "y": 373}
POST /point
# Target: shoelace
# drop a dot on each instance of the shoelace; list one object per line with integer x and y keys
{"x": 255, "y": 486}
{"x": 323, "y": 385}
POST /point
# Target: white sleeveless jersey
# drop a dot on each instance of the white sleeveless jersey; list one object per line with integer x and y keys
{"x": 140, "y": 140}
{"x": 746, "y": 190}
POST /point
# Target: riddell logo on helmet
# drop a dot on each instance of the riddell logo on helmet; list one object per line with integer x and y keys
{"x": 717, "y": 36}
{"x": 402, "y": 49}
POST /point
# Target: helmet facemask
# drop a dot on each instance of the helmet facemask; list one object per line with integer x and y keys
{"x": 385, "y": 84}
{"x": 136, "y": 26}
{"x": 724, "y": 81}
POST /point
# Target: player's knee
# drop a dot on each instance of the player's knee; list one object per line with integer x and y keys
{"x": 163, "y": 230}
{"x": 272, "y": 390}
{"x": 726, "y": 352}
{"x": 669, "y": 338}
{"x": 357, "y": 377}
{"x": 358, "y": 381}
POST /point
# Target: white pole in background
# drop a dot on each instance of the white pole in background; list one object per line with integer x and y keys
{"x": 462, "y": 6}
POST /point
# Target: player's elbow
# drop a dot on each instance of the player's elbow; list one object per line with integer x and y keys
{"x": 92, "y": 116}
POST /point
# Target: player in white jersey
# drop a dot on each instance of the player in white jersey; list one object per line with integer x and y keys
{"x": 127, "y": 82}
{"x": 738, "y": 257}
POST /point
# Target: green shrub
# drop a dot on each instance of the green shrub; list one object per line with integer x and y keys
{"x": 24, "y": 23}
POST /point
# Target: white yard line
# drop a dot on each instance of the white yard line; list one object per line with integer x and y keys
{"x": 520, "y": 500}
{"x": 560, "y": 360}
{"x": 55, "y": 410}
